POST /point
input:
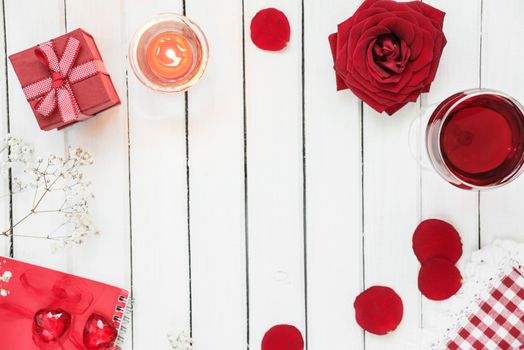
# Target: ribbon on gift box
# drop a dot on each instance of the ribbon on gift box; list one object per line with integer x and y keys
{"x": 55, "y": 91}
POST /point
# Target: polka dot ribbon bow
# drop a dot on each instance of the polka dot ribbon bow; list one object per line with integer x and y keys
{"x": 55, "y": 91}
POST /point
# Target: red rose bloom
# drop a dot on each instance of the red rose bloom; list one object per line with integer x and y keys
{"x": 388, "y": 53}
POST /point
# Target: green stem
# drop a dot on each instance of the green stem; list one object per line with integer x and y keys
{"x": 9, "y": 231}
{"x": 47, "y": 188}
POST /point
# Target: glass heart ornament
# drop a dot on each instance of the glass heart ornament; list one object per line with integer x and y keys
{"x": 50, "y": 326}
{"x": 99, "y": 333}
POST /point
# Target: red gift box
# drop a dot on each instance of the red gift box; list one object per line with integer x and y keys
{"x": 65, "y": 80}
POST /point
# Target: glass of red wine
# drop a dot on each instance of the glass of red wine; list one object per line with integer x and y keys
{"x": 475, "y": 139}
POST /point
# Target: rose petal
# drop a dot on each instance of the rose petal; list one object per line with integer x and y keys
{"x": 394, "y": 108}
{"x": 270, "y": 30}
{"x": 366, "y": 14}
{"x": 436, "y": 238}
{"x": 376, "y": 71}
{"x": 418, "y": 80}
{"x": 439, "y": 46}
{"x": 361, "y": 48}
{"x": 426, "y": 52}
{"x": 436, "y": 15}
{"x": 370, "y": 100}
{"x": 393, "y": 6}
{"x": 416, "y": 47}
{"x": 382, "y": 95}
{"x": 401, "y": 28}
{"x": 394, "y": 89}
{"x": 439, "y": 279}
{"x": 379, "y": 310}
{"x": 283, "y": 337}
{"x": 333, "y": 44}
{"x": 361, "y": 27}
{"x": 343, "y": 31}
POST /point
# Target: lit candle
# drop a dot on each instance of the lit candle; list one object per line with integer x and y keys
{"x": 169, "y": 55}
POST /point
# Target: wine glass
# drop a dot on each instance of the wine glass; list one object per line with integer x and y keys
{"x": 475, "y": 139}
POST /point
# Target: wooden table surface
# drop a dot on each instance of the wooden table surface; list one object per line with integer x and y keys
{"x": 263, "y": 196}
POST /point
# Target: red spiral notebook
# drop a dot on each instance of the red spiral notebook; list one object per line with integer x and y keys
{"x": 46, "y": 309}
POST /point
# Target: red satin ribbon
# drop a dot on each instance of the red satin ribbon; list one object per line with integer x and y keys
{"x": 55, "y": 91}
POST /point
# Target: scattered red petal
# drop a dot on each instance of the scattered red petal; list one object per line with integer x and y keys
{"x": 283, "y": 337}
{"x": 435, "y": 238}
{"x": 270, "y": 30}
{"x": 439, "y": 279}
{"x": 379, "y": 310}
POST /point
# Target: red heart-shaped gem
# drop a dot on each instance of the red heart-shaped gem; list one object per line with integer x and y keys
{"x": 49, "y": 325}
{"x": 98, "y": 332}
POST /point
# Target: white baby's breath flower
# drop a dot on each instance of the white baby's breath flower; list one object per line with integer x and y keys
{"x": 81, "y": 156}
{"x": 54, "y": 176}
{"x": 181, "y": 341}
{"x": 14, "y": 152}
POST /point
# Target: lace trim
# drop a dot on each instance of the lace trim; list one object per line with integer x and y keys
{"x": 481, "y": 275}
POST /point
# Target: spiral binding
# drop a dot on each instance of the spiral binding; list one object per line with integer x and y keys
{"x": 122, "y": 317}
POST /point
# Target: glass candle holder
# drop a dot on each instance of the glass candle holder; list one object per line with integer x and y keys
{"x": 169, "y": 53}
{"x": 475, "y": 139}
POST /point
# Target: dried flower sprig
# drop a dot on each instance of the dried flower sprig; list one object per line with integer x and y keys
{"x": 15, "y": 153}
{"x": 181, "y": 342}
{"x": 18, "y": 151}
{"x": 59, "y": 188}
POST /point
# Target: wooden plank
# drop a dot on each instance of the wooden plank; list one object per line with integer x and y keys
{"x": 5, "y": 242}
{"x": 106, "y": 138}
{"x": 275, "y": 178}
{"x": 391, "y": 211}
{"x": 333, "y": 153}
{"x": 47, "y": 21}
{"x": 459, "y": 70}
{"x": 501, "y": 209}
{"x": 216, "y": 161}
{"x": 159, "y": 201}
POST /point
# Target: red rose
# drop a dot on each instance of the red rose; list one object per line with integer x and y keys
{"x": 388, "y": 52}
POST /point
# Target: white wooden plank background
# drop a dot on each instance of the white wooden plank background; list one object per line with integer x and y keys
{"x": 262, "y": 196}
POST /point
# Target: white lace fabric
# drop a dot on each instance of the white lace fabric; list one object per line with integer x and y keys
{"x": 482, "y": 274}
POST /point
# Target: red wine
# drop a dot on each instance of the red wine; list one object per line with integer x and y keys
{"x": 480, "y": 139}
